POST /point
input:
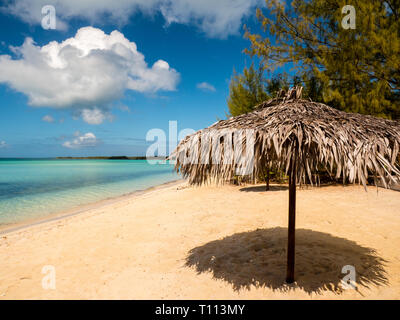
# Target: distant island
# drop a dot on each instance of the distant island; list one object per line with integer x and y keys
{"x": 112, "y": 158}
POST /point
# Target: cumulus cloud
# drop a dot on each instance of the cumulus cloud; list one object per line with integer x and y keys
{"x": 87, "y": 72}
{"x": 205, "y": 86}
{"x": 48, "y": 118}
{"x": 82, "y": 141}
{"x": 3, "y": 144}
{"x": 216, "y": 18}
{"x": 95, "y": 116}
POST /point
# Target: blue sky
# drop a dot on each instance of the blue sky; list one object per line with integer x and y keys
{"x": 42, "y": 116}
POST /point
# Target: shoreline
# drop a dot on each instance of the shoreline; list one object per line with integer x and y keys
{"x": 81, "y": 209}
{"x": 211, "y": 242}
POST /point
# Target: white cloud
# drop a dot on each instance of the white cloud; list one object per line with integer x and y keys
{"x": 81, "y": 141}
{"x": 86, "y": 72}
{"x": 48, "y": 118}
{"x": 3, "y": 144}
{"x": 95, "y": 116}
{"x": 216, "y": 18}
{"x": 205, "y": 86}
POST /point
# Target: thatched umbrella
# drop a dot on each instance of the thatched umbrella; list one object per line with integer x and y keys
{"x": 299, "y": 137}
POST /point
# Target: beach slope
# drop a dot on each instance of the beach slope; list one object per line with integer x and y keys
{"x": 228, "y": 242}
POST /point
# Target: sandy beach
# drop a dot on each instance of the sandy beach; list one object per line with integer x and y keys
{"x": 181, "y": 242}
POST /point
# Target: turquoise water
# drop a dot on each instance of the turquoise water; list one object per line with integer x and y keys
{"x": 32, "y": 189}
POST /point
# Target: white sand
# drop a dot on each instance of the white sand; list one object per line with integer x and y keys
{"x": 202, "y": 243}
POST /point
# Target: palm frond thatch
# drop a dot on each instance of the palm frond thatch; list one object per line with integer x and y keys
{"x": 347, "y": 145}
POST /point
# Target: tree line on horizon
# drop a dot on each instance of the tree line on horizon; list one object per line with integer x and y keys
{"x": 354, "y": 70}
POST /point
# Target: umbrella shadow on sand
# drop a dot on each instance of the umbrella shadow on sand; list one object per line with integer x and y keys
{"x": 262, "y": 188}
{"x": 258, "y": 258}
{"x": 282, "y": 187}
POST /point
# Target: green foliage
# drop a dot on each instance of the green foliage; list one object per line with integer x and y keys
{"x": 250, "y": 88}
{"x": 356, "y": 70}
{"x": 246, "y": 90}
{"x": 313, "y": 89}
{"x": 277, "y": 83}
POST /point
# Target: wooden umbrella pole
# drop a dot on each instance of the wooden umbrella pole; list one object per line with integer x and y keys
{"x": 267, "y": 178}
{"x": 292, "y": 220}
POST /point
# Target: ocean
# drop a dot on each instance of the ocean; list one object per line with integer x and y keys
{"x": 32, "y": 188}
